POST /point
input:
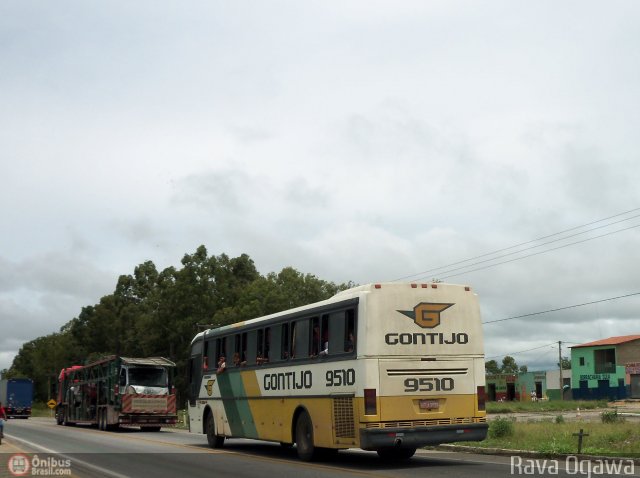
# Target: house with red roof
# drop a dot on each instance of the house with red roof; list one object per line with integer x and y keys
{"x": 607, "y": 368}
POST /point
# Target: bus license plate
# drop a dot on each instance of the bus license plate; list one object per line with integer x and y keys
{"x": 429, "y": 404}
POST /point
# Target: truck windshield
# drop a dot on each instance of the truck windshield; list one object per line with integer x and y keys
{"x": 148, "y": 377}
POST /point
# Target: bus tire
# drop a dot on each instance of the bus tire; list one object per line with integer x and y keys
{"x": 304, "y": 437}
{"x": 395, "y": 454}
{"x": 215, "y": 441}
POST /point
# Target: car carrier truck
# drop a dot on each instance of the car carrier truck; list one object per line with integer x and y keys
{"x": 118, "y": 391}
{"x": 16, "y": 395}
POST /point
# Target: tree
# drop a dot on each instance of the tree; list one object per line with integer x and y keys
{"x": 491, "y": 367}
{"x": 509, "y": 365}
{"x": 153, "y": 313}
{"x": 566, "y": 363}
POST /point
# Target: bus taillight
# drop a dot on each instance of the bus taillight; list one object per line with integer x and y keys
{"x": 370, "y": 401}
{"x": 481, "y": 398}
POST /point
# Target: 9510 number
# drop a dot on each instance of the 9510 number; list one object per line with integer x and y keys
{"x": 428, "y": 384}
{"x": 338, "y": 378}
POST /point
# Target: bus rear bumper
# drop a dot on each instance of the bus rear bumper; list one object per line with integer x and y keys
{"x": 373, "y": 439}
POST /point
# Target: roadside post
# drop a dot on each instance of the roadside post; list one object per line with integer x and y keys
{"x": 580, "y": 436}
{"x": 51, "y": 404}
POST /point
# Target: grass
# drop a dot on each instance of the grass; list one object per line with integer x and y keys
{"x": 40, "y": 409}
{"x": 616, "y": 439}
{"x": 544, "y": 406}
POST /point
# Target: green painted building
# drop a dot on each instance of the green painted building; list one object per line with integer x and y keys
{"x": 599, "y": 368}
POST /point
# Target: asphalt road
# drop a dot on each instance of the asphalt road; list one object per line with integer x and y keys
{"x": 175, "y": 453}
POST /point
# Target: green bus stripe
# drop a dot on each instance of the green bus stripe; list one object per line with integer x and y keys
{"x": 238, "y": 412}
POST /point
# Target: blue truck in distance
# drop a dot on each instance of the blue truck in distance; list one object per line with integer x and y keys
{"x": 16, "y": 395}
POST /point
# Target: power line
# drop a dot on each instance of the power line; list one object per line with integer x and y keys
{"x": 520, "y": 352}
{"x": 421, "y": 274}
{"x": 534, "y": 254}
{"x": 545, "y": 244}
{"x": 562, "y": 308}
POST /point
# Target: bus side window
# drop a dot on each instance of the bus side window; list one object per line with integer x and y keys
{"x": 341, "y": 332}
{"x": 337, "y": 329}
{"x": 237, "y": 352}
{"x": 301, "y": 335}
{"x": 260, "y": 347}
{"x": 350, "y": 342}
{"x": 252, "y": 347}
{"x": 316, "y": 346}
{"x": 221, "y": 350}
{"x": 209, "y": 361}
{"x": 284, "y": 341}
{"x": 266, "y": 348}
{"x": 292, "y": 340}
{"x": 324, "y": 335}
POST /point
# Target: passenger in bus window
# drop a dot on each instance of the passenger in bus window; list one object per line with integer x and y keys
{"x": 350, "y": 342}
{"x": 222, "y": 364}
{"x": 237, "y": 361}
{"x": 315, "y": 340}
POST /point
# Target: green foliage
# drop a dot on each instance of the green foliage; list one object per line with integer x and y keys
{"x": 157, "y": 313}
{"x": 501, "y": 428}
{"x": 559, "y": 419}
{"x": 611, "y": 416}
{"x": 492, "y": 367}
{"x": 613, "y": 439}
{"x": 509, "y": 366}
{"x": 544, "y": 406}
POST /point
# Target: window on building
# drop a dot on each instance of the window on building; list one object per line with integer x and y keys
{"x": 582, "y": 361}
{"x": 605, "y": 361}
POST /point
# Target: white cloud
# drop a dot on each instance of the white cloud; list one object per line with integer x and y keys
{"x": 356, "y": 141}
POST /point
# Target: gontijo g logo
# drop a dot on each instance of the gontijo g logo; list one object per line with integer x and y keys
{"x": 426, "y": 314}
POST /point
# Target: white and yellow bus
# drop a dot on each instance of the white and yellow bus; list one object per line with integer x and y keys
{"x": 387, "y": 367}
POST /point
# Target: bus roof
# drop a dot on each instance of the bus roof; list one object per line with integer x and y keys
{"x": 352, "y": 293}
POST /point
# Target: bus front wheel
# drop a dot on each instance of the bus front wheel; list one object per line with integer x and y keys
{"x": 304, "y": 437}
{"x": 214, "y": 440}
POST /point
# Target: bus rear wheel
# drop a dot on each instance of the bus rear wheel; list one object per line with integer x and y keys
{"x": 395, "y": 454}
{"x": 215, "y": 441}
{"x": 304, "y": 437}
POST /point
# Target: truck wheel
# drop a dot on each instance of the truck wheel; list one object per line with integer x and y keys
{"x": 65, "y": 418}
{"x": 304, "y": 437}
{"x": 102, "y": 420}
{"x": 214, "y": 440}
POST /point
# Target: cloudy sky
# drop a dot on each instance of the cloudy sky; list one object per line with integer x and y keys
{"x": 358, "y": 140}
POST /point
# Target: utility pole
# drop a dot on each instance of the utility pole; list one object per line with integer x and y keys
{"x": 560, "y": 365}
